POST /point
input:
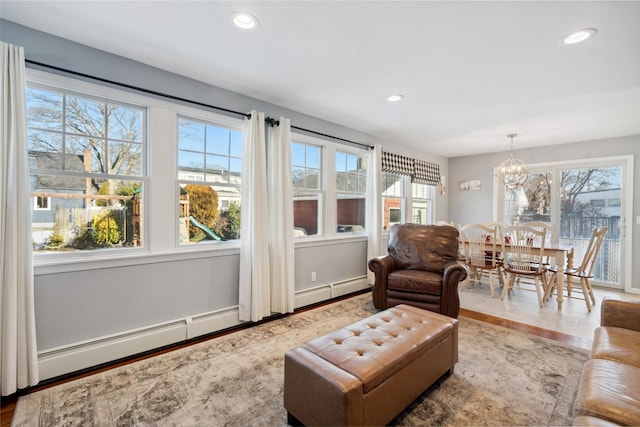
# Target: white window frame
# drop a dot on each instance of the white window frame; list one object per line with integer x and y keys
{"x": 36, "y": 207}
{"x": 215, "y": 120}
{"x": 49, "y": 81}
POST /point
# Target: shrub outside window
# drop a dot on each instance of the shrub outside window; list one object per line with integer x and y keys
{"x": 351, "y": 192}
{"x": 87, "y": 170}
{"x": 208, "y": 153}
{"x": 306, "y": 172}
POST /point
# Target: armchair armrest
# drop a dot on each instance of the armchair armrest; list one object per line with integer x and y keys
{"x": 621, "y": 314}
{"x": 452, "y": 275}
{"x": 381, "y": 267}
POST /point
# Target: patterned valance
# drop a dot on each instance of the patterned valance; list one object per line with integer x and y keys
{"x": 395, "y": 163}
{"x": 420, "y": 171}
{"x": 425, "y": 173}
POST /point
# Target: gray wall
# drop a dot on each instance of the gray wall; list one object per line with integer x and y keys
{"x": 477, "y": 206}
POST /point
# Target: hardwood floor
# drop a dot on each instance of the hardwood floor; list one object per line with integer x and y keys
{"x": 573, "y": 325}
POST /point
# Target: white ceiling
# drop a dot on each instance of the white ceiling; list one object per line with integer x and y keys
{"x": 471, "y": 72}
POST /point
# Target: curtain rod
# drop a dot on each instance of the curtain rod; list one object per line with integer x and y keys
{"x": 270, "y": 121}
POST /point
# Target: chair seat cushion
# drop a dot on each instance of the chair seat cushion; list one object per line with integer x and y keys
{"x": 418, "y": 281}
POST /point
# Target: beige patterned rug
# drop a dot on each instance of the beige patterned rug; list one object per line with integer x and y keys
{"x": 503, "y": 377}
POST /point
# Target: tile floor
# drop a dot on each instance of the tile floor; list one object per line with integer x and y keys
{"x": 522, "y": 306}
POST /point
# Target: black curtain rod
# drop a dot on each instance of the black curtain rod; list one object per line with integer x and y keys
{"x": 128, "y": 86}
{"x": 270, "y": 121}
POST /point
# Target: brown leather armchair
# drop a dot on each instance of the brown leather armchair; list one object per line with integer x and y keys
{"x": 421, "y": 269}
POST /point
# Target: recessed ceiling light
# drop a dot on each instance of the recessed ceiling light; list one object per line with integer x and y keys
{"x": 580, "y": 36}
{"x": 395, "y": 98}
{"x": 244, "y": 20}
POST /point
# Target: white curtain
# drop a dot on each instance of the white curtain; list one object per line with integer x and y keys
{"x": 280, "y": 188}
{"x": 254, "y": 287}
{"x": 374, "y": 211}
{"x": 18, "y": 349}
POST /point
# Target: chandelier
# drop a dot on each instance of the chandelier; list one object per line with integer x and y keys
{"x": 512, "y": 173}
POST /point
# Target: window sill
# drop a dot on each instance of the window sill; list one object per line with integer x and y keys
{"x": 52, "y": 265}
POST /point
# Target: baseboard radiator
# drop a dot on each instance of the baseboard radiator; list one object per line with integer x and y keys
{"x": 74, "y": 357}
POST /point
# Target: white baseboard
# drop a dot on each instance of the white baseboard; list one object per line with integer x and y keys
{"x": 74, "y": 357}
{"x": 330, "y": 290}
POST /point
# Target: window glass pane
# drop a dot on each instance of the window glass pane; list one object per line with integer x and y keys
{"x": 298, "y": 154}
{"x": 85, "y": 116}
{"x": 86, "y": 214}
{"x": 125, "y": 158}
{"x": 44, "y": 109}
{"x": 351, "y": 214}
{"x": 190, "y": 162}
{"x": 191, "y": 135}
{"x": 235, "y": 148}
{"x": 86, "y": 210}
{"x": 208, "y": 213}
{"x": 313, "y": 156}
{"x": 125, "y": 123}
{"x": 305, "y": 214}
{"x": 217, "y": 140}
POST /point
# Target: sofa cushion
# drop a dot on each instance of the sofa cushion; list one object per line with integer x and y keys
{"x": 589, "y": 421}
{"x": 610, "y": 390}
{"x": 617, "y": 344}
{"x": 425, "y": 282}
{"x": 375, "y": 348}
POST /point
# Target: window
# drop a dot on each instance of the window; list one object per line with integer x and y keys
{"x": 87, "y": 170}
{"x": 393, "y": 199}
{"x": 306, "y": 172}
{"x": 422, "y": 203}
{"x": 42, "y": 203}
{"x": 351, "y": 189}
{"x": 210, "y": 153}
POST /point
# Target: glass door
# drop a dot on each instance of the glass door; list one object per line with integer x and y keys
{"x": 578, "y": 197}
{"x": 592, "y": 198}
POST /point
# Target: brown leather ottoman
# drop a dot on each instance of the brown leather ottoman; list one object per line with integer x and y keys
{"x": 368, "y": 372}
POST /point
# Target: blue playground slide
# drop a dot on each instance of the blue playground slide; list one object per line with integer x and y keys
{"x": 209, "y": 232}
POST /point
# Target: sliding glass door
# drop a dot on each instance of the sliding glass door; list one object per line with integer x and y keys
{"x": 578, "y": 197}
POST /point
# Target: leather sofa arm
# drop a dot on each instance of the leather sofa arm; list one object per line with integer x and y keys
{"x": 621, "y": 314}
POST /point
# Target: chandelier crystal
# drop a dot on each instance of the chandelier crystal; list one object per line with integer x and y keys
{"x": 512, "y": 173}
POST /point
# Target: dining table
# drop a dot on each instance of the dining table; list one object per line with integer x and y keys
{"x": 562, "y": 253}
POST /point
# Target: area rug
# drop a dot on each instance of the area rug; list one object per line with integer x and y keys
{"x": 503, "y": 377}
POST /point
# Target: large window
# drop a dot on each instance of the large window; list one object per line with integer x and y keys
{"x": 306, "y": 173}
{"x": 351, "y": 191}
{"x": 87, "y": 170}
{"x": 208, "y": 153}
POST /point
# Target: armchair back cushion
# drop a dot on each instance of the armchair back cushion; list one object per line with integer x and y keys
{"x": 423, "y": 247}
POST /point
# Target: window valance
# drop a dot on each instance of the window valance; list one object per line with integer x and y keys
{"x": 395, "y": 163}
{"x": 420, "y": 171}
{"x": 425, "y": 173}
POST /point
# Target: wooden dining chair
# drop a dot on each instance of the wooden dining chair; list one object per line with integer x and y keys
{"x": 523, "y": 249}
{"x": 481, "y": 251}
{"x": 583, "y": 272}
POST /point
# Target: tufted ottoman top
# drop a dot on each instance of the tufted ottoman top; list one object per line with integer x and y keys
{"x": 377, "y": 347}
